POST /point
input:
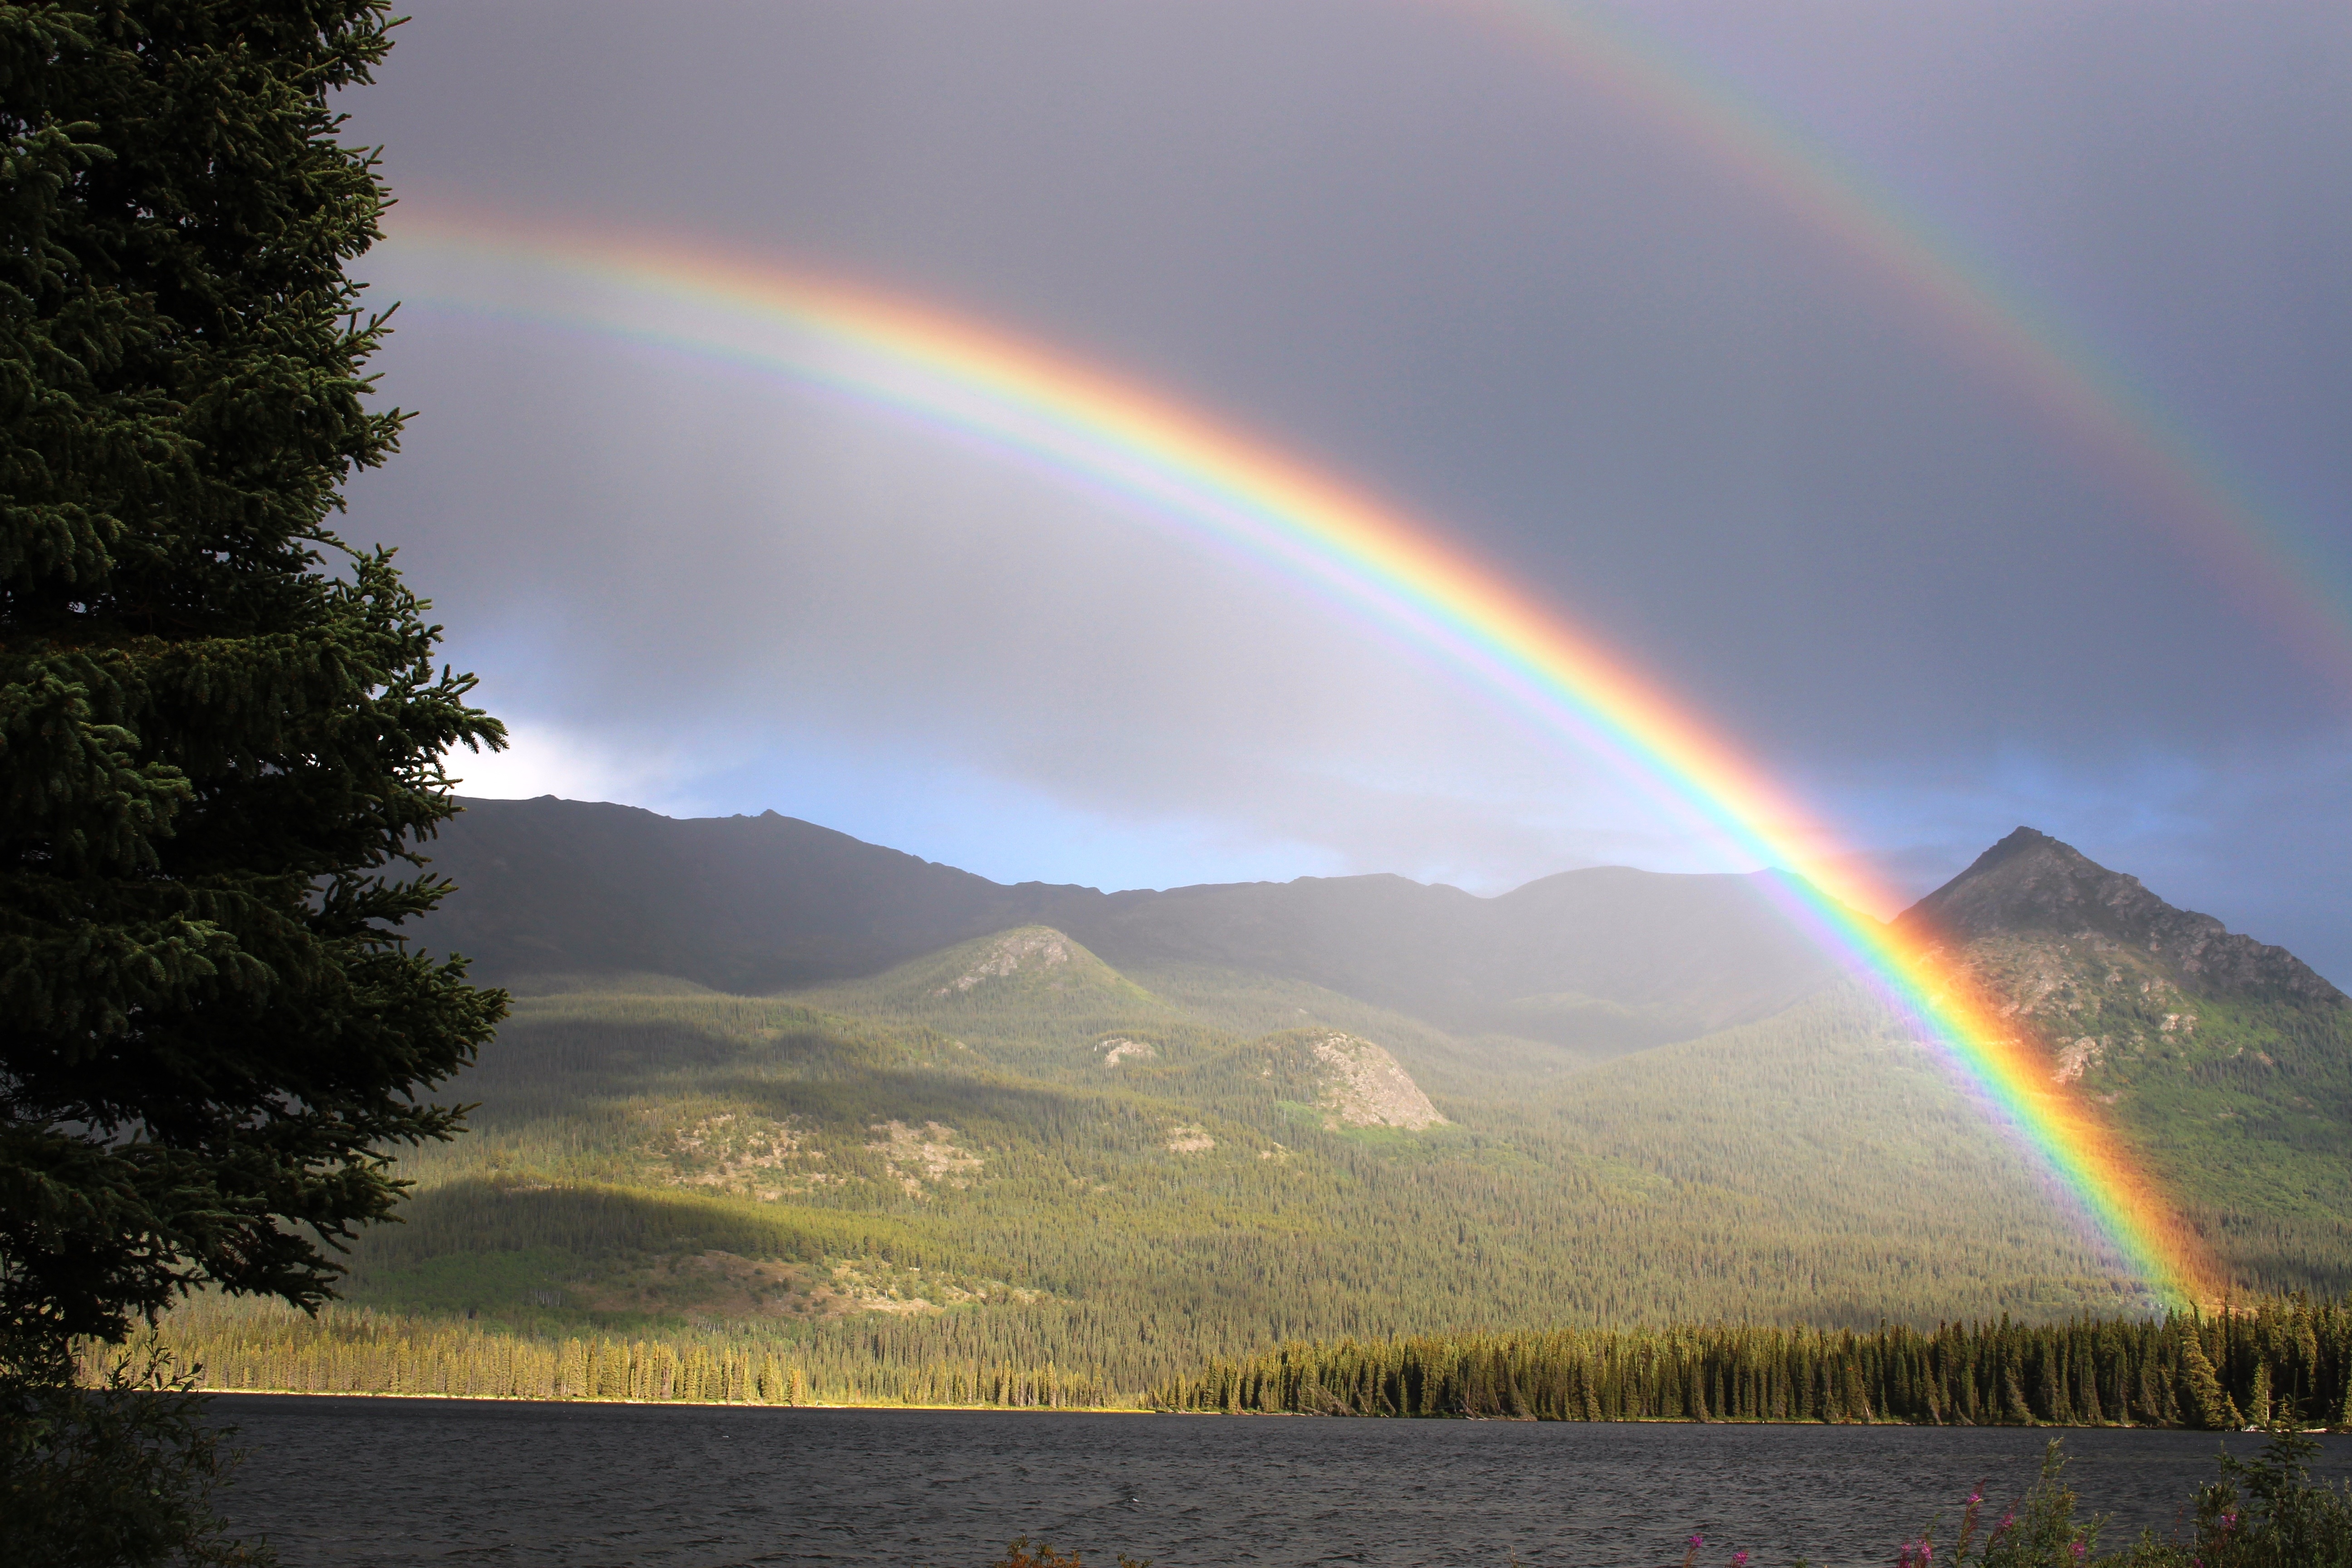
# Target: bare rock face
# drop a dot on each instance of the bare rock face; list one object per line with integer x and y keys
{"x": 1035, "y": 948}
{"x": 1364, "y": 1087}
{"x": 2029, "y": 884}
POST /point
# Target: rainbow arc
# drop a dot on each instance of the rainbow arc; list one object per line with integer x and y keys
{"x": 2180, "y": 487}
{"x": 1221, "y": 487}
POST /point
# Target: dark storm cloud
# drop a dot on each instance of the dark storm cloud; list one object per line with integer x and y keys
{"x": 1400, "y": 242}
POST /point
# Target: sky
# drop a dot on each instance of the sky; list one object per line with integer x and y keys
{"x": 1582, "y": 326}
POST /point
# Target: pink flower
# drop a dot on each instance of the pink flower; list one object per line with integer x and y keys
{"x": 1739, "y": 1560}
{"x": 2078, "y": 1549}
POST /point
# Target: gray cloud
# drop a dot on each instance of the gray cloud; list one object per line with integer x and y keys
{"x": 1402, "y": 244}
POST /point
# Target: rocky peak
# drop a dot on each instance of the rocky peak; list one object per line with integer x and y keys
{"x": 2030, "y": 882}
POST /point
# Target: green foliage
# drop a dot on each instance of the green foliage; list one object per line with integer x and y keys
{"x": 1590, "y": 1207}
{"x": 679, "y": 1166}
{"x": 2040, "y": 1531}
{"x": 2088, "y": 1371}
{"x": 118, "y": 1474}
{"x": 2265, "y": 1512}
{"x": 219, "y": 726}
{"x": 2240, "y": 1101}
{"x": 592, "y": 1222}
{"x": 2209, "y": 1404}
{"x": 633, "y": 1154}
{"x": 1023, "y": 1362}
{"x": 617, "y": 1165}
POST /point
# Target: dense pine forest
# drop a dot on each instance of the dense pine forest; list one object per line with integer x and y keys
{"x": 2284, "y": 1359}
{"x": 2278, "y": 1359}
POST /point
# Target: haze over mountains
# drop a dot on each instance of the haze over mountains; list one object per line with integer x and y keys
{"x": 763, "y": 1078}
{"x": 1604, "y": 959}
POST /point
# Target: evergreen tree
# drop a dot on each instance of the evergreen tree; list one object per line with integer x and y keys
{"x": 2211, "y": 1405}
{"x": 221, "y": 729}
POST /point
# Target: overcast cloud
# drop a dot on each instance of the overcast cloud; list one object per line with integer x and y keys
{"x": 1403, "y": 244}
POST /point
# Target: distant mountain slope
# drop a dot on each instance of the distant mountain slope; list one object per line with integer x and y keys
{"x": 2227, "y": 1060}
{"x": 1610, "y": 957}
{"x": 746, "y": 904}
{"x": 1606, "y": 958}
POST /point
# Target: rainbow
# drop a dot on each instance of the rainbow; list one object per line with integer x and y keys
{"x": 1220, "y": 486}
{"x": 2182, "y": 486}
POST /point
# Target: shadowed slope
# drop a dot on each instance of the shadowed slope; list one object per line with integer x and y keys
{"x": 1600, "y": 960}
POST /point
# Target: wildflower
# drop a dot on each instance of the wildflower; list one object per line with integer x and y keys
{"x": 1739, "y": 1560}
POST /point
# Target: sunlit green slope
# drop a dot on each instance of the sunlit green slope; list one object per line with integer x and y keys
{"x": 1057, "y": 1161}
{"x": 1008, "y": 1151}
{"x": 2226, "y": 1062}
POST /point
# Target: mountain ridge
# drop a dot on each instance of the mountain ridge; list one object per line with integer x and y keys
{"x": 2031, "y": 882}
{"x": 1603, "y": 958}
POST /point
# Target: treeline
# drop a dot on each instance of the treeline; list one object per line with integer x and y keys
{"x": 347, "y": 1349}
{"x": 2282, "y": 1359}
{"x": 2277, "y": 1359}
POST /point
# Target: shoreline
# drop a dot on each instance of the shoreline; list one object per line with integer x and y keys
{"x": 1243, "y": 1414}
{"x": 709, "y": 1403}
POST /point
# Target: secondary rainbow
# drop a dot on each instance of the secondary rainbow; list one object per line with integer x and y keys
{"x": 1219, "y": 486}
{"x": 2178, "y": 483}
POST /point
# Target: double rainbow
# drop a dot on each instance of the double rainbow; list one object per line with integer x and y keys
{"x": 2182, "y": 488}
{"x": 1216, "y": 485}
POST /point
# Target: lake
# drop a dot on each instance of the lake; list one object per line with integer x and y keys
{"x": 385, "y": 1483}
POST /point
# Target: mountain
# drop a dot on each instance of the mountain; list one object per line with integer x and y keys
{"x": 2030, "y": 885}
{"x": 769, "y": 1084}
{"x": 2227, "y": 1061}
{"x": 1601, "y": 960}
{"x": 551, "y": 887}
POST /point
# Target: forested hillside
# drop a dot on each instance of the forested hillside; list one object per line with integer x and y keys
{"x": 1008, "y": 1159}
{"x": 2227, "y": 1061}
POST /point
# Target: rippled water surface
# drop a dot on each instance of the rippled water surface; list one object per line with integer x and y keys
{"x": 393, "y": 1482}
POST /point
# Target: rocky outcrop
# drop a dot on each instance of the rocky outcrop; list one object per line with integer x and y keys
{"x": 1363, "y": 1086}
{"x": 1035, "y": 947}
